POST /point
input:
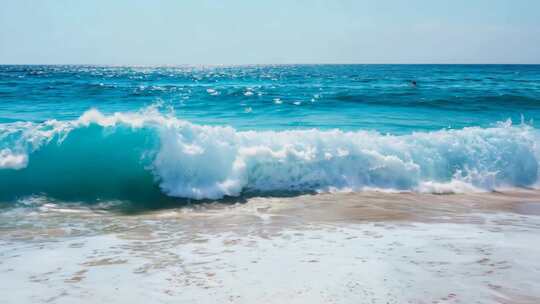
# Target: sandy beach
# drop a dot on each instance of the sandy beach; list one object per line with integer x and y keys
{"x": 366, "y": 247}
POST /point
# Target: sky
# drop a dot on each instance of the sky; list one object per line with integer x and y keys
{"x": 136, "y": 32}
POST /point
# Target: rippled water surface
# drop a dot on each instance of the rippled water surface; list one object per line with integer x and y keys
{"x": 351, "y": 97}
{"x": 210, "y": 132}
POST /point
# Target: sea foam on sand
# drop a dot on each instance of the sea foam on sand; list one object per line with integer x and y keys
{"x": 335, "y": 248}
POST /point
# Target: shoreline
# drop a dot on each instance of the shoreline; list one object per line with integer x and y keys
{"x": 368, "y": 247}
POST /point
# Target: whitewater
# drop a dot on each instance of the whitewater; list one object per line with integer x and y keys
{"x": 123, "y": 154}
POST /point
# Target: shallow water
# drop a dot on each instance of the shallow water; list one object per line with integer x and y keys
{"x": 339, "y": 248}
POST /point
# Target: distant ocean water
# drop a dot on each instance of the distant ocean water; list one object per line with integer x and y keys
{"x": 207, "y": 132}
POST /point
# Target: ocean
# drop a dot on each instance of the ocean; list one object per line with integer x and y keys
{"x": 92, "y": 133}
{"x": 270, "y": 184}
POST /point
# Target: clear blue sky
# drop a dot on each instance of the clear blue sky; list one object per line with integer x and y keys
{"x": 264, "y": 31}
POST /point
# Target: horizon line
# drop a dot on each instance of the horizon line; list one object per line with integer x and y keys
{"x": 243, "y": 64}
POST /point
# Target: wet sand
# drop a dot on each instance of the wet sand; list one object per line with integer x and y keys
{"x": 329, "y": 248}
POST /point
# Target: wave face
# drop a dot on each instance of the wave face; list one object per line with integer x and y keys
{"x": 145, "y": 154}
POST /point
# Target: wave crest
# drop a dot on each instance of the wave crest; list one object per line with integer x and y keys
{"x": 127, "y": 154}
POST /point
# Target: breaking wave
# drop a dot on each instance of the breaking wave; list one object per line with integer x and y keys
{"x": 141, "y": 155}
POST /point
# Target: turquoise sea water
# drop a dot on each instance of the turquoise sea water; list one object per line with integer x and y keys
{"x": 208, "y": 132}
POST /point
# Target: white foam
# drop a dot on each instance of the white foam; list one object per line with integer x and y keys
{"x": 197, "y": 161}
{"x": 10, "y": 160}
